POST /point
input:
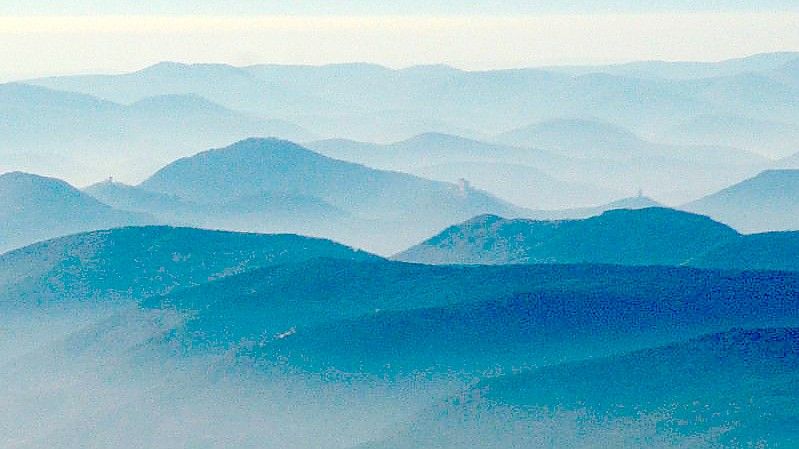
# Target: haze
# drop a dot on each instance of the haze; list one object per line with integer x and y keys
{"x": 91, "y": 36}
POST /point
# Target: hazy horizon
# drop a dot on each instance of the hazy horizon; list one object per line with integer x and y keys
{"x": 104, "y": 40}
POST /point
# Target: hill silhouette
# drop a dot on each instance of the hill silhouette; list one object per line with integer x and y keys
{"x": 766, "y": 202}
{"x": 36, "y": 208}
{"x": 650, "y": 236}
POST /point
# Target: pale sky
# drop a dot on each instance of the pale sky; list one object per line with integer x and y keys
{"x": 40, "y": 37}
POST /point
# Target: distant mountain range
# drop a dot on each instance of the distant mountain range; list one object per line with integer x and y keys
{"x": 270, "y": 185}
{"x": 676, "y": 70}
{"x": 602, "y": 131}
{"x": 582, "y": 162}
{"x": 586, "y": 139}
{"x": 83, "y": 138}
{"x": 374, "y": 103}
{"x": 34, "y": 208}
{"x": 648, "y": 236}
{"x": 519, "y": 175}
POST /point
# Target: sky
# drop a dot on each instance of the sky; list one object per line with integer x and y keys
{"x": 39, "y": 38}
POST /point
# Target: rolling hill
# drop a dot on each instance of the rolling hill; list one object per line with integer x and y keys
{"x": 650, "y": 236}
{"x": 381, "y": 211}
{"x": 730, "y": 389}
{"x": 266, "y": 212}
{"x": 390, "y": 318}
{"x": 777, "y": 251}
{"x": 333, "y": 335}
{"x": 136, "y": 262}
{"x": 36, "y": 208}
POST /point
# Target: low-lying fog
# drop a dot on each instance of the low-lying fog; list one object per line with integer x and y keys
{"x": 110, "y": 378}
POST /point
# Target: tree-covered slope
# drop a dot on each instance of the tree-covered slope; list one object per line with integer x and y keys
{"x": 136, "y": 262}
{"x": 650, "y": 236}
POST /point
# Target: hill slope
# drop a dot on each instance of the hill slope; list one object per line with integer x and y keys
{"x": 388, "y": 209}
{"x": 34, "y": 208}
{"x": 767, "y": 251}
{"x": 390, "y": 317}
{"x": 136, "y": 262}
{"x": 651, "y": 236}
{"x": 766, "y": 202}
{"x": 732, "y": 389}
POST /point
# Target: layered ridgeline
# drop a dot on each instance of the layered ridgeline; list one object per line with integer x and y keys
{"x": 766, "y": 202}
{"x": 231, "y": 346}
{"x": 137, "y": 262}
{"x": 559, "y": 163}
{"x": 374, "y": 103}
{"x": 381, "y": 317}
{"x": 647, "y": 236}
{"x": 270, "y": 185}
{"x": 519, "y": 175}
{"x": 34, "y": 208}
{"x": 590, "y": 139}
{"x": 366, "y": 323}
{"x": 83, "y": 138}
{"x": 734, "y": 390}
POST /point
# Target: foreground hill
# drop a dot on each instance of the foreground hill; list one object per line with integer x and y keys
{"x": 35, "y": 208}
{"x": 390, "y": 317}
{"x": 360, "y": 348}
{"x": 378, "y": 210}
{"x": 650, "y": 236}
{"x": 767, "y": 251}
{"x": 734, "y": 389}
{"x": 136, "y": 262}
{"x": 766, "y": 202}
